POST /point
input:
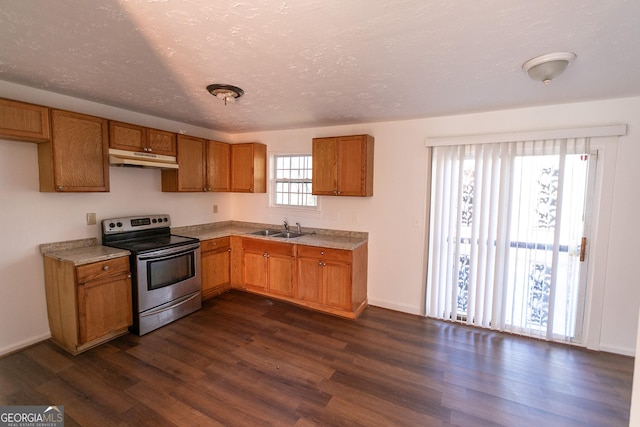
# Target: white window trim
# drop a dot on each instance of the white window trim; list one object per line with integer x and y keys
{"x": 272, "y": 185}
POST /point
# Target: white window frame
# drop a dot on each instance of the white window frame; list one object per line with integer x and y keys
{"x": 273, "y": 179}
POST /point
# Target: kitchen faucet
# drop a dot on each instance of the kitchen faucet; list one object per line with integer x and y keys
{"x": 286, "y": 226}
{"x": 298, "y": 228}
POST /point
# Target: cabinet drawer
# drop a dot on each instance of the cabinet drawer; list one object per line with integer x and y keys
{"x": 268, "y": 246}
{"x": 101, "y": 269}
{"x": 213, "y": 244}
{"x": 324, "y": 253}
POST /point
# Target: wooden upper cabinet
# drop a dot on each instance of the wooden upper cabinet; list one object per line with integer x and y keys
{"x": 191, "y": 174}
{"x": 218, "y": 162}
{"x": 24, "y": 122}
{"x": 125, "y": 136}
{"x": 343, "y": 166}
{"x": 162, "y": 142}
{"x": 249, "y": 167}
{"x": 76, "y": 158}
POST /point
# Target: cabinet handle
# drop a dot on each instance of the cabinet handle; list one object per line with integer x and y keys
{"x": 105, "y": 268}
{"x": 229, "y": 250}
{"x": 321, "y": 252}
{"x": 129, "y": 276}
{"x": 59, "y": 187}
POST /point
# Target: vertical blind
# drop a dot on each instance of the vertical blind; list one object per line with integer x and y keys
{"x": 505, "y": 232}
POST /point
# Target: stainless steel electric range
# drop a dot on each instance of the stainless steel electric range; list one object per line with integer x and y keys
{"x": 165, "y": 269}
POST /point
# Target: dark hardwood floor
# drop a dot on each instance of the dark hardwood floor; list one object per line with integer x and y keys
{"x": 244, "y": 360}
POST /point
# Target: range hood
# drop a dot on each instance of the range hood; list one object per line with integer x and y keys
{"x": 141, "y": 160}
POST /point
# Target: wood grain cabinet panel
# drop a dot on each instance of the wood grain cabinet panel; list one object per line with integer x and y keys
{"x": 191, "y": 175}
{"x": 332, "y": 280}
{"x": 268, "y": 267}
{"x": 203, "y": 165}
{"x": 343, "y": 166}
{"x": 219, "y": 166}
{"x": 24, "y": 122}
{"x": 249, "y": 168}
{"x": 76, "y": 158}
{"x": 125, "y": 136}
{"x": 87, "y": 305}
{"x": 325, "y": 279}
{"x": 216, "y": 266}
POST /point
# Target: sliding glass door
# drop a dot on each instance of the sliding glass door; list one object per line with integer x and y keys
{"x": 508, "y": 234}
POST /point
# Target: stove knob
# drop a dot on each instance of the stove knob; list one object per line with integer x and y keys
{"x": 111, "y": 225}
{"x": 166, "y": 219}
{"x": 154, "y": 220}
{"x": 119, "y": 224}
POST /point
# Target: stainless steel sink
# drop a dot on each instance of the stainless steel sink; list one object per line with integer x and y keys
{"x": 266, "y": 232}
{"x": 288, "y": 234}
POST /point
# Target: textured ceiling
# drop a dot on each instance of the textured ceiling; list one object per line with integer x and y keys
{"x": 305, "y": 63}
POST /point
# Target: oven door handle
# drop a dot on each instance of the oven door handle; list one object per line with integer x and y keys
{"x": 178, "y": 302}
{"x": 162, "y": 253}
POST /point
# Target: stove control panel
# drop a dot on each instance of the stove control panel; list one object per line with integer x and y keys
{"x": 135, "y": 223}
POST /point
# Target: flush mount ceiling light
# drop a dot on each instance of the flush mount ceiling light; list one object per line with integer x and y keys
{"x": 545, "y": 68}
{"x": 227, "y": 93}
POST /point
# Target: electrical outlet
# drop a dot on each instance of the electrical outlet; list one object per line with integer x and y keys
{"x": 91, "y": 219}
{"x": 215, "y": 208}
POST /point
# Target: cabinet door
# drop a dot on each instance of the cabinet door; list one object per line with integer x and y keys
{"x": 104, "y": 306}
{"x": 125, "y": 136}
{"x": 161, "y": 142}
{"x": 254, "y": 270}
{"x": 77, "y": 157}
{"x": 249, "y": 168}
{"x": 281, "y": 270}
{"x": 24, "y": 122}
{"x": 336, "y": 278}
{"x": 191, "y": 174}
{"x": 309, "y": 280}
{"x": 351, "y": 164}
{"x": 215, "y": 272}
{"x": 218, "y": 166}
{"x": 324, "y": 152}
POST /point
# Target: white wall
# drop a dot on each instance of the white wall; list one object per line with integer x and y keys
{"x": 394, "y": 216}
{"x": 29, "y": 218}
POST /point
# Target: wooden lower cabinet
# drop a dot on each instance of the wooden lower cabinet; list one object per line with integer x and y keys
{"x": 216, "y": 266}
{"x": 333, "y": 280}
{"x": 87, "y": 305}
{"x": 325, "y": 279}
{"x": 268, "y": 267}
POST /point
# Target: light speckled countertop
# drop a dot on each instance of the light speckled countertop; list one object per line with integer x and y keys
{"x": 87, "y": 251}
{"x": 80, "y": 252}
{"x": 336, "y": 239}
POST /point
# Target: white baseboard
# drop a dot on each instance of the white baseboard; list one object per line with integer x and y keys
{"x": 23, "y": 344}
{"x": 395, "y": 307}
{"x": 617, "y": 350}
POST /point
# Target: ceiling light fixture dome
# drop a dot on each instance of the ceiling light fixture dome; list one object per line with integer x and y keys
{"x": 227, "y": 93}
{"x": 545, "y": 68}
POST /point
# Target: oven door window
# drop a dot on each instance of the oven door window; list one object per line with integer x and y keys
{"x": 167, "y": 271}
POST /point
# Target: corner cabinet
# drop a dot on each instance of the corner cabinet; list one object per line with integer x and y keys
{"x": 76, "y": 159}
{"x": 249, "y": 167}
{"x": 216, "y": 266}
{"x": 24, "y": 122}
{"x": 125, "y": 136}
{"x": 343, "y": 166}
{"x": 87, "y": 305}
